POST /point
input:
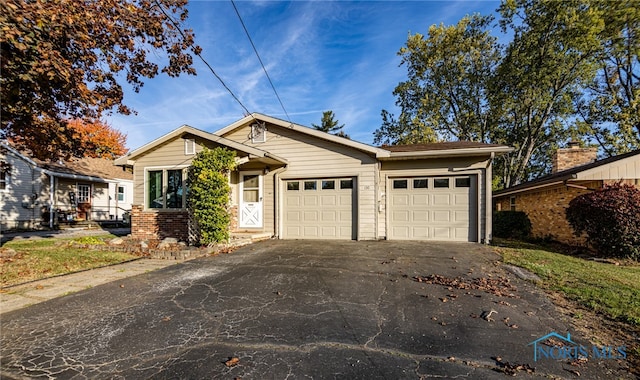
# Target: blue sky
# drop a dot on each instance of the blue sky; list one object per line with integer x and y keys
{"x": 338, "y": 55}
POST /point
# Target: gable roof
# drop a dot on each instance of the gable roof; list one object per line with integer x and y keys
{"x": 562, "y": 176}
{"x": 86, "y": 168}
{"x": 444, "y": 149}
{"x": 129, "y": 158}
{"x": 378, "y": 152}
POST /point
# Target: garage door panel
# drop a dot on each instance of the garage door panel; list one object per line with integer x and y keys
{"x": 425, "y": 211}
{"x": 420, "y": 199}
{"x": 441, "y": 199}
{"x": 441, "y": 216}
{"x": 400, "y": 200}
{"x": 328, "y": 200}
{"x": 324, "y": 211}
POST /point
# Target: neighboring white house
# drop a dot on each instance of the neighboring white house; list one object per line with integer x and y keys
{"x": 294, "y": 182}
{"x": 83, "y": 189}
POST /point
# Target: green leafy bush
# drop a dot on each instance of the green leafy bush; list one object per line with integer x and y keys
{"x": 611, "y": 219}
{"x": 208, "y": 197}
{"x": 511, "y": 224}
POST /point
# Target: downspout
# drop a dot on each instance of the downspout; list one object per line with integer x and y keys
{"x": 51, "y": 198}
{"x": 488, "y": 229}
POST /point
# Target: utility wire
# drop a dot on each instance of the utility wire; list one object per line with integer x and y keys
{"x": 260, "y": 59}
{"x": 177, "y": 26}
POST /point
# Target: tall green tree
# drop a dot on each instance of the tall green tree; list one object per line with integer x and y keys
{"x": 64, "y": 60}
{"x": 609, "y": 109}
{"x": 445, "y": 96}
{"x": 551, "y": 58}
{"x": 329, "y": 124}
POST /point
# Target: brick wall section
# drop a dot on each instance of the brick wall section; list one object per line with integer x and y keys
{"x": 546, "y": 211}
{"x": 153, "y": 224}
{"x": 571, "y": 157}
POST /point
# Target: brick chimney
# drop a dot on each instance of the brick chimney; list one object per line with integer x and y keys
{"x": 567, "y": 158}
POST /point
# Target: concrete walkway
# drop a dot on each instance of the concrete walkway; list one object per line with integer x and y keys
{"x": 19, "y": 296}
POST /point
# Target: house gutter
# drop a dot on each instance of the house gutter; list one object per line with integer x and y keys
{"x": 531, "y": 188}
{"x": 51, "y": 198}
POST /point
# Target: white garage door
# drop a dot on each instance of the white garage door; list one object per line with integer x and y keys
{"x": 433, "y": 208}
{"x": 319, "y": 208}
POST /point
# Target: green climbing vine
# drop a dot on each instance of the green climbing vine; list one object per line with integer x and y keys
{"x": 208, "y": 197}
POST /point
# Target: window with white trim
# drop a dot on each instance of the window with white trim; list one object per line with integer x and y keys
{"x": 258, "y": 133}
{"x": 512, "y": 203}
{"x": 4, "y": 180}
{"x": 84, "y": 194}
{"x": 166, "y": 188}
{"x": 189, "y": 147}
{"x": 121, "y": 194}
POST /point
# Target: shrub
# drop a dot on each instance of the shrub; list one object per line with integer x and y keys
{"x": 611, "y": 219}
{"x": 511, "y": 224}
{"x": 208, "y": 197}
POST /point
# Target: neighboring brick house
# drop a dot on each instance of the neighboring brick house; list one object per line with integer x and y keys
{"x": 575, "y": 172}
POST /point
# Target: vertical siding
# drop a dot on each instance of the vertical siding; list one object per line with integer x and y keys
{"x": 311, "y": 157}
{"x": 628, "y": 168}
{"x": 23, "y": 183}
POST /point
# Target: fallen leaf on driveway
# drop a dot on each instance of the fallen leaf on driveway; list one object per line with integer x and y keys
{"x": 232, "y": 362}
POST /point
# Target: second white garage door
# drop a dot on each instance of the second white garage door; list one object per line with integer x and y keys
{"x": 433, "y": 208}
{"x": 319, "y": 208}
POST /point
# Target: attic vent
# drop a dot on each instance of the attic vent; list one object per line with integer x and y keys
{"x": 258, "y": 133}
{"x": 189, "y": 147}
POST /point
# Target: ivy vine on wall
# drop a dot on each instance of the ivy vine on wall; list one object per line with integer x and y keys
{"x": 209, "y": 193}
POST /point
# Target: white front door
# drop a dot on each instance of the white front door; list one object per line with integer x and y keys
{"x": 250, "y": 208}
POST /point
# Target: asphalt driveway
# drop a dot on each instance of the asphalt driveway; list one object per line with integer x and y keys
{"x": 299, "y": 309}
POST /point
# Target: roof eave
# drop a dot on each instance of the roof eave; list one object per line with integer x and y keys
{"x": 378, "y": 152}
{"x": 444, "y": 153}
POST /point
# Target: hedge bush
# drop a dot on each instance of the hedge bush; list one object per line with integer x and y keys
{"x": 511, "y": 224}
{"x": 611, "y": 219}
{"x": 208, "y": 197}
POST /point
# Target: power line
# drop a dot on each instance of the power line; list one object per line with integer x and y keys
{"x": 260, "y": 59}
{"x": 177, "y": 26}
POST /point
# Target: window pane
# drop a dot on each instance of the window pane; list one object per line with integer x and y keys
{"x": 420, "y": 183}
{"x": 154, "y": 189}
{"x": 120, "y": 193}
{"x": 346, "y": 184}
{"x": 294, "y": 186}
{"x": 250, "y": 195}
{"x": 309, "y": 185}
{"x": 463, "y": 182}
{"x": 441, "y": 182}
{"x": 251, "y": 182}
{"x": 174, "y": 188}
{"x": 84, "y": 194}
{"x": 328, "y": 185}
{"x": 399, "y": 183}
{"x": 3, "y": 180}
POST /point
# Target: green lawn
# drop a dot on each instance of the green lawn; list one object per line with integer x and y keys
{"x": 42, "y": 258}
{"x": 603, "y": 287}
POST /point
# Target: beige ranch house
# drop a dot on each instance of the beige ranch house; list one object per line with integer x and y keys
{"x": 294, "y": 182}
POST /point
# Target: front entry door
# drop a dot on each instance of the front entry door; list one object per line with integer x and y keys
{"x": 250, "y": 208}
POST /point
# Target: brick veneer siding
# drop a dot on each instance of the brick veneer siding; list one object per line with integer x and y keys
{"x": 564, "y": 159}
{"x": 154, "y": 224}
{"x": 546, "y": 211}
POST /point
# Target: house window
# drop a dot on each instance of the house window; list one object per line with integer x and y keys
{"x": 121, "y": 196}
{"x": 189, "y": 147}
{"x": 166, "y": 188}
{"x": 328, "y": 185}
{"x": 463, "y": 182}
{"x": 400, "y": 184}
{"x": 441, "y": 182}
{"x": 512, "y": 203}
{"x": 346, "y": 184}
{"x": 258, "y": 133}
{"x": 84, "y": 194}
{"x": 420, "y": 183}
{"x": 4, "y": 180}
